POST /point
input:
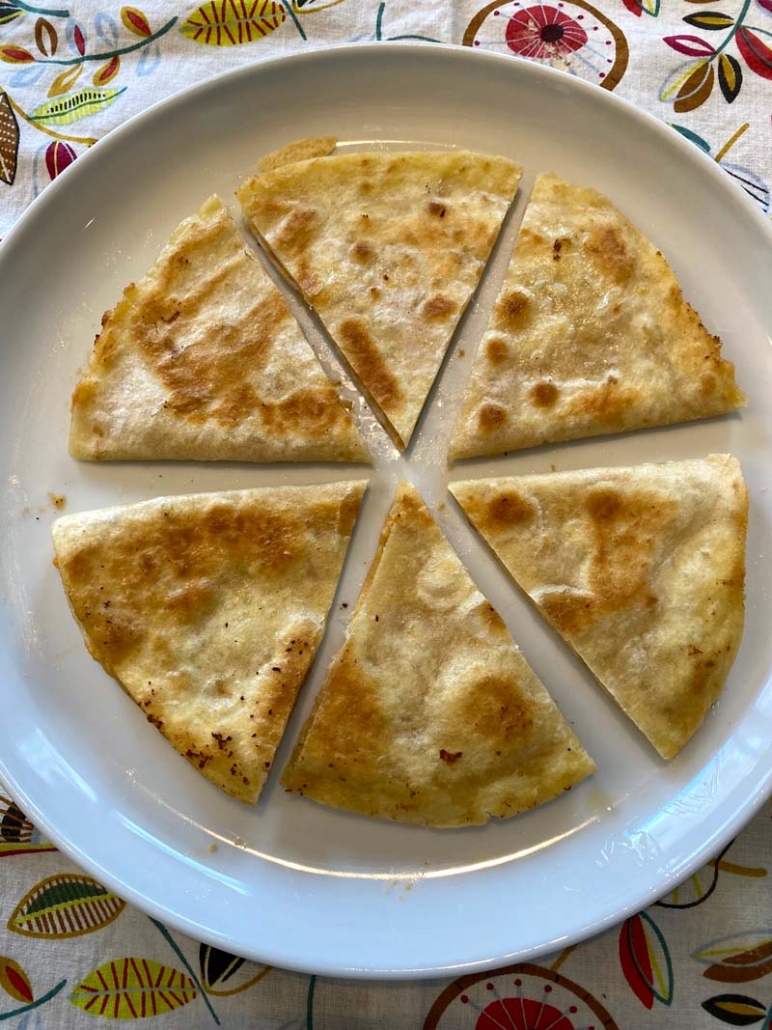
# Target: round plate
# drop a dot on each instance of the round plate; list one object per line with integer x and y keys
{"x": 291, "y": 883}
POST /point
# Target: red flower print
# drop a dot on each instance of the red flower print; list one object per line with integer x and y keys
{"x": 522, "y": 1014}
{"x": 543, "y": 31}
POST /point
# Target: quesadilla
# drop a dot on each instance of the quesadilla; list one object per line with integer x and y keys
{"x": 640, "y": 570}
{"x": 208, "y": 609}
{"x": 590, "y": 334}
{"x": 430, "y": 714}
{"x": 387, "y": 248}
{"x": 202, "y": 359}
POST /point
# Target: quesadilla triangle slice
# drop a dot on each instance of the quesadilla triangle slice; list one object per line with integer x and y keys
{"x": 640, "y": 570}
{"x": 388, "y": 249}
{"x": 208, "y": 610}
{"x": 202, "y": 359}
{"x": 430, "y": 714}
{"x": 590, "y": 334}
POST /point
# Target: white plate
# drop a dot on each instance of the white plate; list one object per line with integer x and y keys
{"x": 291, "y": 883}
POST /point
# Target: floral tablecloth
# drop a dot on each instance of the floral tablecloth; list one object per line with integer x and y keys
{"x": 70, "y": 951}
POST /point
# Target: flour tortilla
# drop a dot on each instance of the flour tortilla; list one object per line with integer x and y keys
{"x": 641, "y": 570}
{"x": 202, "y": 359}
{"x": 208, "y": 609}
{"x": 430, "y": 714}
{"x": 590, "y": 334}
{"x": 387, "y": 248}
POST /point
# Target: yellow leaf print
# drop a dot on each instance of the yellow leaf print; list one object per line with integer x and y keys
{"x": 133, "y": 988}
{"x": 233, "y": 22}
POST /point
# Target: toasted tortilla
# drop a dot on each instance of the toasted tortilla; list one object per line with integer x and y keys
{"x": 387, "y": 248}
{"x": 430, "y": 714}
{"x": 590, "y": 334}
{"x": 640, "y": 570}
{"x": 202, "y": 359}
{"x": 208, "y": 610}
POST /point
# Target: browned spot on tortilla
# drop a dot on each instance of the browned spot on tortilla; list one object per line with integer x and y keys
{"x": 491, "y": 417}
{"x": 362, "y": 252}
{"x": 450, "y": 756}
{"x": 496, "y": 709}
{"x": 625, "y": 528}
{"x": 496, "y": 350}
{"x": 438, "y": 308}
{"x": 308, "y": 410}
{"x": 607, "y": 403}
{"x": 509, "y": 509}
{"x": 513, "y": 310}
{"x": 568, "y": 612}
{"x": 298, "y": 231}
{"x": 366, "y": 360}
{"x": 544, "y": 394}
{"x": 607, "y": 245}
{"x": 436, "y": 208}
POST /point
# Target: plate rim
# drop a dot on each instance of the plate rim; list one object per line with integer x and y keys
{"x": 646, "y": 894}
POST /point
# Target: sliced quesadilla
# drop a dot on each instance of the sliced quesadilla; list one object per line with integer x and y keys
{"x": 430, "y": 714}
{"x": 641, "y": 571}
{"x": 387, "y": 248}
{"x": 202, "y": 359}
{"x": 208, "y": 609}
{"x": 590, "y": 334}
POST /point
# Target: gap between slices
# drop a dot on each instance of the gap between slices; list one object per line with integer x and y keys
{"x": 202, "y": 359}
{"x": 208, "y": 609}
{"x": 640, "y": 570}
{"x": 387, "y": 248}
{"x": 590, "y": 334}
{"x": 430, "y": 714}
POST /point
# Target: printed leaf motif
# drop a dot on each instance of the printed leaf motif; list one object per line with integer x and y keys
{"x": 692, "y": 46}
{"x": 65, "y": 80}
{"x": 9, "y": 153}
{"x": 233, "y": 22}
{"x": 59, "y": 156}
{"x": 9, "y": 12}
{"x": 645, "y": 960}
{"x": 730, "y": 77}
{"x": 107, "y": 72}
{"x": 106, "y": 29}
{"x": 755, "y": 52}
{"x": 133, "y": 988}
{"x": 15, "y": 55}
{"x": 638, "y": 7}
{"x": 738, "y": 958}
{"x": 46, "y": 38}
{"x": 735, "y": 1009}
{"x": 711, "y": 20}
{"x": 74, "y": 107}
{"x": 76, "y": 38}
{"x": 14, "y": 981}
{"x": 216, "y": 966}
{"x": 65, "y": 905}
{"x": 135, "y": 21}
{"x": 17, "y": 834}
{"x": 697, "y": 88}
{"x": 703, "y": 145}
{"x": 219, "y": 971}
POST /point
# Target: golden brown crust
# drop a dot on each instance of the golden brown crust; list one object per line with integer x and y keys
{"x": 208, "y": 610}
{"x": 387, "y": 248}
{"x": 429, "y": 714}
{"x": 203, "y": 359}
{"x": 590, "y": 334}
{"x": 641, "y": 570}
